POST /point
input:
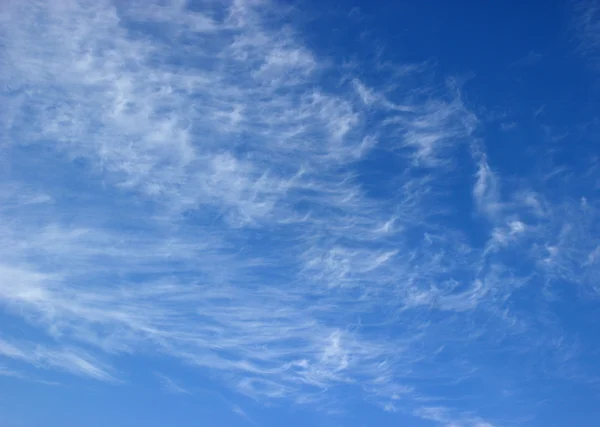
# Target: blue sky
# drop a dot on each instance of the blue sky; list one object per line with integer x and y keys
{"x": 254, "y": 213}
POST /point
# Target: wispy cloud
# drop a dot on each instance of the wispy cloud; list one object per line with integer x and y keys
{"x": 188, "y": 183}
{"x": 486, "y": 189}
{"x": 169, "y": 385}
{"x": 445, "y": 417}
{"x": 586, "y": 27}
{"x": 65, "y": 359}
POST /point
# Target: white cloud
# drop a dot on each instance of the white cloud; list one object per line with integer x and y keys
{"x": 594, "y": 256}
{"x": 169, "y": 385}
{"x": 209, "y": 202}
{"x": 586, "y": 27}
{"x": 447, "y": 418}
{"x": 486, "y": 188}
{"x": 65, "y": 359}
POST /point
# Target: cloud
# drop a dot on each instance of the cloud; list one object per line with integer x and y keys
{"x": 68, "y": 360}
{"x": 486, "y": 188}
{"x": 445, "y": 417}
{"x": 508, "y": 126}
{"x": 187, "y": 183}
{"x": 586, "y": 27}
{"x": 169, "y": 385}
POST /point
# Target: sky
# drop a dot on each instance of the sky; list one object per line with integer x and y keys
{"x": 327, "y": 213}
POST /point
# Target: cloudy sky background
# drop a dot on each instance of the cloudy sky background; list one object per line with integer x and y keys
{"x": 326, "y": 213}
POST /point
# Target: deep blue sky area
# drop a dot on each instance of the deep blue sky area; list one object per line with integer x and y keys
{"x": 312, "y": 213}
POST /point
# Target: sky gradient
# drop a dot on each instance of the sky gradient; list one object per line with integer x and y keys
{"x": 324, "y": 213}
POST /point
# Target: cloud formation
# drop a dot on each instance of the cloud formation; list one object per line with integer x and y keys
{"x": 586, "y": 27}
{"x": 188, "y": 181}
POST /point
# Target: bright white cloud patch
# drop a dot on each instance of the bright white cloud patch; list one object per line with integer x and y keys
{"x": 188, "y": 182}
